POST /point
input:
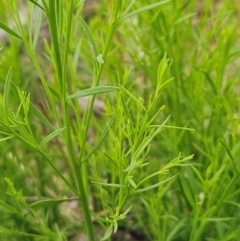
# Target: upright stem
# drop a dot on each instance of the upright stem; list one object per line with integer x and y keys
{"x": 79, "y": 178}
{"x": 84, "y": 176}
{"x": 61, "y": 69}
{"x": 96, "y": 83}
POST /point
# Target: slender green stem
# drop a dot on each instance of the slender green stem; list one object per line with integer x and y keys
{"x": 78, "y": 177}
{"x": 62, "y": 71}
{"x": 67, "y": 47}
{"x": 52, "y": 17}
{"x": 111, "y": 32}
{"x": 58, "y": 172}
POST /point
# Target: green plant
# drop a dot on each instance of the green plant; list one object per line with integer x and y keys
{"x": 131, "y": 137}
{"x": 60, "y": 149}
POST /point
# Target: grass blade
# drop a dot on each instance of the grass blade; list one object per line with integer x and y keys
{"x": 132, "y": 97}
{"x": 132, "y": 165}
{"x": 35, "y": 3}
{"x": 6, "y": 138}
{"x": 9, "y": 30}
{"x": 229, "y": 154}
{"x": 34, "y": 110}
{"x": 15, "y": 232}
{"x": 37, "y": 29}
{"x": 143, "y": 9}
{"x": 7, "y": 89}
{"x": 51, "y": 136}
{"x": 92, "y": 91}
{"x": 107, "y": 233}
{"x": 90, "y": 37}
{"x": 7, "y": 208}
{"x": 109, "y": 184}
{"x": 51, "y": 202}
{"x": 153, "y": 186}
{"x": 125, "y": 108}
{"x": 142, "y": 147}
{"x": 176, "y": 229}
{"x": 129, "y": 7}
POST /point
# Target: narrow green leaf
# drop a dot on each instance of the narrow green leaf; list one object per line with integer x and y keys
{"x": 143, "y": 9}
{"x": 110, "y": 159}
{"x": 172, "y": 127}
{"x": 8, "y": 30}
{"x": 35, "y": 3}
{"x": 90, "y": 37}
{"x": 143, "y": 145}
{"x": 187, "y": 191}
{"x": 7, "y": 208}
{"x": 180, "y": 20}
{"x": 127, "y": 211}
{"x": 216, "y": 175}
{"x": 109, "y": 209}
{"x": 132, "y": 97}
{"x": 233, "y": 203}
{"x": 7, "y": 89}
{"x": 108, "y": 233}
{"x": 217, "y": 219}
{"x": 54, "y": 92}
{"x": 37, "y": 28}
{"x": 129, "y": 7}
{"x": 125, "y": 108}
{"x": 163, "y": 85}
{"x": 15, "y": 232}
{"x": 208, "y": 78}
{"x": 108, "y": 184}
{"x": 6, "y": 138}
{"x": 51, "y": 136}
{"x": 162, "y": 69}
{"x": 52, "y": 15}
{"x": 229, "y": 154}
{"x": 101, "y": 139}
{"x": 58, "y": 172}
{"x": 133, "y": 184}
{"x": 176, "y": 229}
{"x": 153, "y": 186}
{"x": 131, "y": 167}
{"x": 115, "y": 226}
{"x": 93, "y": 91}
{"x": 34, "y": 110}
{"x": 197, "y": 173}
{"x": 51, "y": 202}
{"x": 77, "y": 55}
{"x": 5, "y": 133}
